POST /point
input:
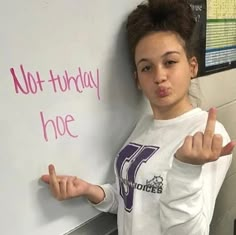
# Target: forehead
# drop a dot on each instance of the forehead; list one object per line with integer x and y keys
{"x": 157, "y": 44}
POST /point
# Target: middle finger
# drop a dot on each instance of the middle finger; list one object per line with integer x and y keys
{"x": 53, "y": 182}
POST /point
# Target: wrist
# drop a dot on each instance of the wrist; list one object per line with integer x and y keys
{"x": 185, "y": 170}
{"x": 95, "y": 193}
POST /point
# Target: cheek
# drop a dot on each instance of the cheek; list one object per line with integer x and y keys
{"x": 144, "y": 86}
{"x": 185, "y": 74}
{"x": 142, "y": 80}
{"x": 181, "y": 81}
{"x": 188, "y": 71}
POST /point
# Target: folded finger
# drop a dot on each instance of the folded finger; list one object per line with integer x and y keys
{"x": 63, "y": 188}
{"x": 197, "y": 141}
{"x": 71, "y": 186}
{"x": 217, "y": 143}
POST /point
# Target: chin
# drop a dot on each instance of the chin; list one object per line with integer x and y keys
{"x": 162, "y": 105}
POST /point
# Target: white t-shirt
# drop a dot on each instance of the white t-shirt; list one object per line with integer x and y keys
{"x": 156, "y": 193}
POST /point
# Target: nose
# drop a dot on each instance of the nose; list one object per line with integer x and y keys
{"x": 160, "y": 75}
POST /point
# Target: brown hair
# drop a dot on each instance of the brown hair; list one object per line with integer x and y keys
{"x": 161, "y": 15}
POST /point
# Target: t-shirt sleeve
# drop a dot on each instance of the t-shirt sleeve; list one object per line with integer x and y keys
{"x": 110, "y": 202}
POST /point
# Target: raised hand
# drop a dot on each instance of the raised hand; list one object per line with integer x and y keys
{"x": 65, "y": 187}
{"x": 204, "y": 147}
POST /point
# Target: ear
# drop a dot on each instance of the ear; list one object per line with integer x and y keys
{"x": 193, "y": 67}
{"x": 136, "y": 80}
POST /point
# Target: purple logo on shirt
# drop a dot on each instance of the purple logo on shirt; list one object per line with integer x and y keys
{"x": 135, "y": 155}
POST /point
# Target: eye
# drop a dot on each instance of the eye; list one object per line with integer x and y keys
{"x": 170, "y": 62}
{"x": 146, "y": 68}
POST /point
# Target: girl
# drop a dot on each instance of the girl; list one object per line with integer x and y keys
{"x": 170, "y": 170}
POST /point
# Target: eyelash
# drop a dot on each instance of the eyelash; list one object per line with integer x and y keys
{"x": 146, "y": 68}
{"x": 170, "y": 62}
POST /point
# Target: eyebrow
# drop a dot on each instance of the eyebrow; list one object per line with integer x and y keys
{"x": 164, "y": 55}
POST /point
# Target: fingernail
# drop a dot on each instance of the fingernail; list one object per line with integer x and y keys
{"x": 212, "y": 109}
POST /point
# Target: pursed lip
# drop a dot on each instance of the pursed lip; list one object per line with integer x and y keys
{"x": 163, "y": 91}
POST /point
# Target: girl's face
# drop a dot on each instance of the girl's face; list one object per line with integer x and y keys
{"x": 164, "y": 73}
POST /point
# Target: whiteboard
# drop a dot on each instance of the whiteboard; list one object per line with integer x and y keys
{"x": 67, "y": 97}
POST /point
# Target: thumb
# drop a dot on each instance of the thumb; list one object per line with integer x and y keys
{"x": 228, "y": 148}
{"x": 45, "y": 178}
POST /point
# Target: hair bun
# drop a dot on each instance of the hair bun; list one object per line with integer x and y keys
{"x": 160, "y": 10}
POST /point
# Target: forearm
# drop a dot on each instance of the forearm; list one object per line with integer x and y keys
{"x": 187, "y": 204}
{"x": 182, "y": 208}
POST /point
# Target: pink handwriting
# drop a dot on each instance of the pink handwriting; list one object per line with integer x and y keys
{"x": 59, "y": 126}
{"x": 30, "y": 83}
{"x": 80, "y": 81}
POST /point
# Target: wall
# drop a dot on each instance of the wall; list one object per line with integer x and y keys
{"x": 219, "y": 90}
